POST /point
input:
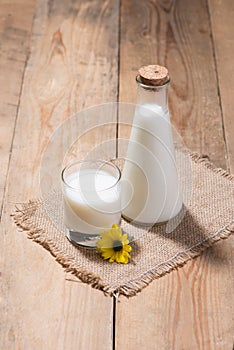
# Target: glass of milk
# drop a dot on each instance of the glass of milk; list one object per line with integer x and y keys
{"x": 91, "y": 196}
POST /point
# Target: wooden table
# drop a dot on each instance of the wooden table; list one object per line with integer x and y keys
{"x": 58, "y": 57}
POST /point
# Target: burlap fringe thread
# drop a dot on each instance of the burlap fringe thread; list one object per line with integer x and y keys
{"x": 22, "y": 219}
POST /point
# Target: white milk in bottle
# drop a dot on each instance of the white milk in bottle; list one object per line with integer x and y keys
{"x": 150, "y": 186}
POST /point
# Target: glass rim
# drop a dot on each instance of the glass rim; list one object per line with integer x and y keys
{"x": 150, "y": 87}
{"x": 91, "y": 161}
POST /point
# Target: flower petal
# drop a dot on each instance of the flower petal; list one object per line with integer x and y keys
{"x": 127, "y": 248}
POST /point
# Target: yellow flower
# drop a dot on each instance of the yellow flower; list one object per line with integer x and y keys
{"x": 114, "y": 245}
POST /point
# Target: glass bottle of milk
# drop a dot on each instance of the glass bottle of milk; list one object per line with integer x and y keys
{"x": 150, "y": 186}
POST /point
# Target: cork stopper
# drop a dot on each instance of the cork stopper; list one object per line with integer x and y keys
{"x": 154, "y": 75}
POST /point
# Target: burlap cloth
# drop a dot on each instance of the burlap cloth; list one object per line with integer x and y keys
{"x": 206, "y": 219}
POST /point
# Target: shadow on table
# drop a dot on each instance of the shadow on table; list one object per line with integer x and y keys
{"x": 191, "y": 234}
{"x": 188, "y": 234}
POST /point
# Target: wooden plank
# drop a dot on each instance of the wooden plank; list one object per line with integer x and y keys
{"x": 222, "y": 24}
{"x": 73, "y": 64}
{"x": 189, "y": 308}
{"x": 15, "y": 30}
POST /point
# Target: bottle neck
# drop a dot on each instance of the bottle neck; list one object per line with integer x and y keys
{"x": 153, "y": 95}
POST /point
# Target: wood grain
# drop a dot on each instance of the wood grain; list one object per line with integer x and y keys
{"x": 189, "y": 308}
{"x": 72, "y": 65}
{"x": 222, "y": 24}
{"x": 15, "y": 30}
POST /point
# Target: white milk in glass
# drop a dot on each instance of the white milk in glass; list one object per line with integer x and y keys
{"x": 91, "y": 201}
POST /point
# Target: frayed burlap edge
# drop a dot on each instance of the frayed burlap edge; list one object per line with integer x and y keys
{"x": 22, "y": 219}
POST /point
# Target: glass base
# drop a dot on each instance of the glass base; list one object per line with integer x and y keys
{"x": 82, "y": 239}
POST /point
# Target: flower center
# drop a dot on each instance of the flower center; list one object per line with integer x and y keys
{"x": 117, "y": 246}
